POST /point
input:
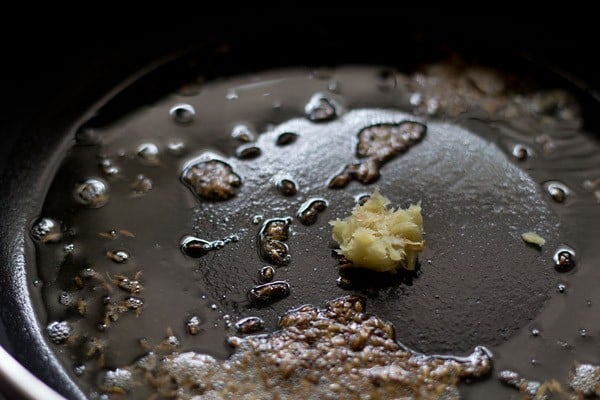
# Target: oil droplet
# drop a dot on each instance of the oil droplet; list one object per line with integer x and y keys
{"x": 141, "y": 185}
{"x": 69, "y": 248}
{"x": 231, "y": 95}
{"x": 362, "y": 198}
{"x": 193, "y": 325}
{"x": 195, "y": 247}
{"x": 386, "y": 80}
{"x": 416, "y": 99}
{"x": 243, "y": 133}
{"x": 287, "y": 187}
{"x": 269, "y": 292}
{"x": 149, "y": 153}
{"x": 583, "y": 332}
{"x": 79, "y": 370}
{"x": 309, "y": 211}
{"x": 257, "y": 219}
{"x": 564, "y": 259}
{"x": 333, "y": 86}
{"x": 558, "y": 191}
{"x": 92, "y": 193}
{"x": 286, "y": 138}
{"x": 249, "y": 325}
{"x": 108, "y": 169}
{"x": 271, "y": 237}
{"x": 46, "y": 230}
{"x": 535, "y": 332}
{"x": 183, "y": 113}
{"x": 266, "y": 274}
{"x": 120, "y": 256}
{"x": 247, "y": 151}
{"x": 176, "y": 147}
{"x": 211, "y": 180}
{"x": 521, "y": 152}
{"x": 562, "y": 287}
{"x": 38, "y": 283}
{"x": 321, "y": 108}
{"x": 66, "y": 299}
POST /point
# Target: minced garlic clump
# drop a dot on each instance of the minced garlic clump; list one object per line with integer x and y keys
{"x": 380, "y": 238}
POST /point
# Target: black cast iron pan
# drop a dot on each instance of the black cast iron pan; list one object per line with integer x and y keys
{"x": 55, "y": 79}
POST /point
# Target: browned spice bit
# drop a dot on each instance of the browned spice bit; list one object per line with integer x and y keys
{"x": 114, "y": 234}
{"x": 193, "y": 325}
{"x": 270, "y": 238}
{"x": 170, "y": 342}
{"x": 211, "y": 180}
{"x": 141, "y": 185}
{"x": 119, "y": 256}
{"x": 535, "y": 390}
{"x": 384, "y": 141}
{"x": 131, "y": 285}
{"x": 81, "y": 306}
{"x": 332, "y": 352}
{"x": 378, "y": 144}
{"x": 269, "y": 292}
{"x": 249, "y": 325}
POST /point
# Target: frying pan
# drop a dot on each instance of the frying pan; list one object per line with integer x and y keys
{"x": 53, "y": 80}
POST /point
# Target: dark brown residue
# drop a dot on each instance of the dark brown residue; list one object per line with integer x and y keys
{"x": 378, "y": 144}
{"x": 212, "y": 180}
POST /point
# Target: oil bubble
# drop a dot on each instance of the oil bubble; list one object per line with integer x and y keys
{"x": 269, "y": 292}
{"x": 271, "y": 237}
{"x": 176, "y": 147}
{"x": 558, "y": 191}
{"x": 195, "y": 247}
{"x": 309, "y": 211}
{"x": 58, "y": 331}
{"x": 193, "y": 325}
{"x": 119, "y": 256}
{"x": 247, "y": 151}
{"x": 66, "y": 299}
{"x": 149, "y": 153}
{"x": 211, "y": 180}
{"x": 286, "y": 138}
{"x": 386, "y": 80}
{"x": 249, "y": 325}
{"x": 79, "y": 370}
{"x": 287, "y": 187}
{"x": 183, "y": 113}
{"x": 243, "y": 133}
{"x": 92, "y": 193}
{"x": 362, "y": 198}
{"x": 46, "y": 230}
{"x": 321, "y": 108}
{"x": 257, "y": 219}
{"x": 521, "y": 152}
{"x": 108, "y": 169}
{"x": 564, "y": 259}
{"x": 266, "y": 274}
{"x": 141, "y": 185}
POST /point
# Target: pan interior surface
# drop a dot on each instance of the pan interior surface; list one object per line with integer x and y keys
{"x": 495, "y": 162}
